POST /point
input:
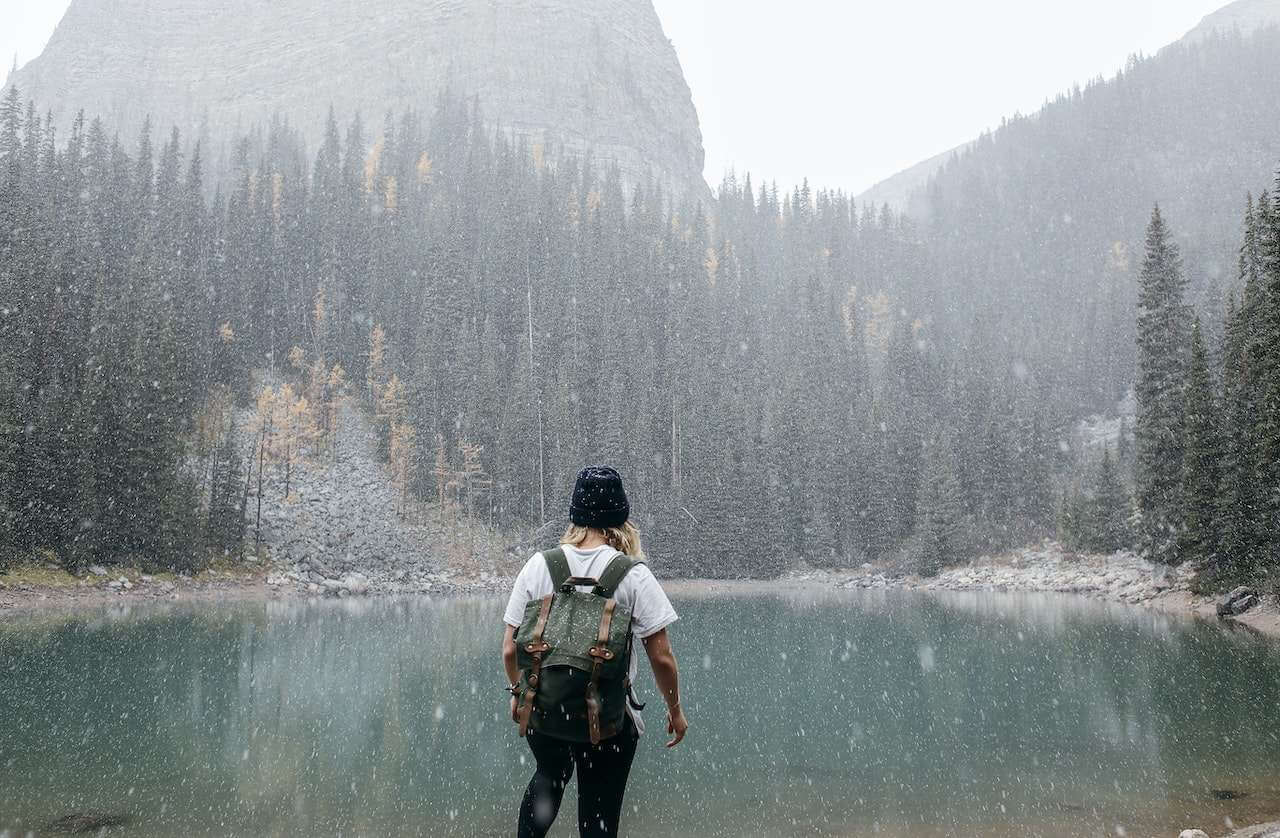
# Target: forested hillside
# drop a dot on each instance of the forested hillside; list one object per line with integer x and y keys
{"x": 1038, "y": 226}
{"x": 782, "y": 377}
{"x": 509, "y": 318}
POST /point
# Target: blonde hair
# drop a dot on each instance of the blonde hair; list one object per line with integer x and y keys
{"x": 624, "y": 539}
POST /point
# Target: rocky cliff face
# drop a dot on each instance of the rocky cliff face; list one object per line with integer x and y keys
{"x": 595, "y": 75}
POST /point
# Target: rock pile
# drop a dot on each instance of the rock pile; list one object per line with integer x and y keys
{"x": 1122, "y": 577}
{"x": 339, "y": 532}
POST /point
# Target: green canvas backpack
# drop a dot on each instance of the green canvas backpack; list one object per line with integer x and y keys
{"x": 574, "y": 653}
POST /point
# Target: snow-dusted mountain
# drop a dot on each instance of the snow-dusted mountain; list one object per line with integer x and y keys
{"x": 589, "y": 75}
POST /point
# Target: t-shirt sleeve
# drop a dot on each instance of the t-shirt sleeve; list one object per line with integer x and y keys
{"x": 652, "y": 611}
{"x": 520, "y": 593}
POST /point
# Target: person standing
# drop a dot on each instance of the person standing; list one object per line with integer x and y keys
{"x": 601, "y": 553}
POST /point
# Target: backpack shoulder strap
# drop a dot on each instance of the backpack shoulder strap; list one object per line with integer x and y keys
{"x": 617, "y": 570}
{"x": 558, "y": 566}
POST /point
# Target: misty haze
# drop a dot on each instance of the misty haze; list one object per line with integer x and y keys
{"x": 392, "y": 393}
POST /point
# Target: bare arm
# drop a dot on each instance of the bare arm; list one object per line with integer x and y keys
{"x": 509, "y": 654}
{"x": 667, "y": 674}
{"x": 509, "y": 661}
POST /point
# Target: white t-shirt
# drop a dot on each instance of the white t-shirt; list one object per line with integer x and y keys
{"x": 651, "y": 611}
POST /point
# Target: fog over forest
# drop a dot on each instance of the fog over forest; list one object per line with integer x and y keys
{"x": 784, "y": 376}
{"x": 958, "y": 500}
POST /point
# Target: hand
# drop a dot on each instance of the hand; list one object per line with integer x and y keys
{"x": 515, "y": 709}
{"x": 677, "y": 724}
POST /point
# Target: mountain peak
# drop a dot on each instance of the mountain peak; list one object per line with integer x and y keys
{"x": 1245, "y": 15}
{"x": 594, "y": 77}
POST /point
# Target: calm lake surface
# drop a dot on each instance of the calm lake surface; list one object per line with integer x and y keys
{"x": 813, "y": 713}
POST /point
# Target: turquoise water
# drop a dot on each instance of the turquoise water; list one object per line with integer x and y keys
{"x": 812, "y": 714}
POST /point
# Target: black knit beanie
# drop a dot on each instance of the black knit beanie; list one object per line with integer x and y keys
{"x": 598, "y": 499}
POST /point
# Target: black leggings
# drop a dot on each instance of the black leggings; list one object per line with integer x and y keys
{"x": 602, "y": 781}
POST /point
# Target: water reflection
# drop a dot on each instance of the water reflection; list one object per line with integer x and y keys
{"x": 815, "y": 713}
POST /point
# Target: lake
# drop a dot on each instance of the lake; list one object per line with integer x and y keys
{"x": 813, "y": 713}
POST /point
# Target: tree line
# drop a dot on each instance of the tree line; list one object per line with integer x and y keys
{"x": 1206, "y": 454}
{"x": 508, "y": 316}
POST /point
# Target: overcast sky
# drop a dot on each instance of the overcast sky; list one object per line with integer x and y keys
{"x": 848, "y": 92}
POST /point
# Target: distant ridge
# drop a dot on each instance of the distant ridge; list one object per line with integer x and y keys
{"x": 1246, "y": 15}
{"x": 899, "y": 190}
{"x": 1037, "y": 230}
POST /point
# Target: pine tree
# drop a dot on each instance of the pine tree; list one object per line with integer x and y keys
{"x": 1162, "y": 341}
{"x": 1112, "y": 509}
{"x": 1238, "y": 556}
{"x": 940, "y": 507}
{"x": 1268, "y": 336}
{"x": 225, "y": 522}
{"x": 1200, "y": 539}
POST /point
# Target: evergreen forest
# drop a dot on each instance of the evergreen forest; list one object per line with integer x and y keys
{"x": 784, "y": 376}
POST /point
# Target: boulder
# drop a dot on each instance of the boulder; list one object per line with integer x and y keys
{"x": 97, "y": 570}
{"x": 356, "y": 583}
{"x": 1237, "y": 602}
{"x": 1193, "y": 833}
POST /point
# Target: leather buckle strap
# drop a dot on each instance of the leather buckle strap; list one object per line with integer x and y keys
{"x": 537, "y": 647}
{"x": 599, "y": 653}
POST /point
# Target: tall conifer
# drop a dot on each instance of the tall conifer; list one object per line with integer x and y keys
{"x": 1162, "y": 347}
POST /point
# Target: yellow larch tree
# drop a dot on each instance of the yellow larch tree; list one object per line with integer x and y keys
{"x": 299, "y": 433}
{"x": 336, "y": 390}
{"x": 375, "y": 373}
{"x": 264, "y": 431}
{"x": 391, "y": 193}
{"x": 712, "y": 264}
{"x": 425, "y": 169}
{"x": 402, "y": 449}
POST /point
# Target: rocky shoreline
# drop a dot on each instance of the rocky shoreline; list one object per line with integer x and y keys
{"x": 1120, "y": 577}
{"x": 244, "y": 584}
